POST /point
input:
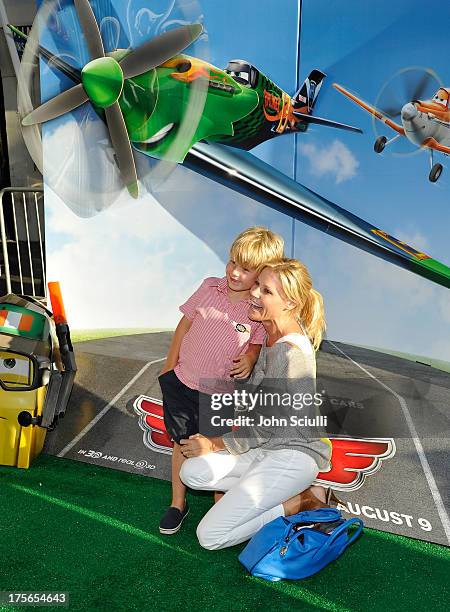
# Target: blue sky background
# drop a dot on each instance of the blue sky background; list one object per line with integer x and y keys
{"x": 153, "y": 253}
{"x": 362, "y": 47}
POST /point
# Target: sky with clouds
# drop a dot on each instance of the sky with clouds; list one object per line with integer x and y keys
{"x": 133, "y": 264}
{"x": 370, "y": 301}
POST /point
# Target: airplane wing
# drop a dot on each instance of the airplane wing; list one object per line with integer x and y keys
{"x": 243, "y": 172}
{"x": 370, "y": 109}
{"x": 431, "y": 143}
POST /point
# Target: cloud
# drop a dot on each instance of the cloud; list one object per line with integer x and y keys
{"x": 336, "y": 160}
{"x": 124, "y": 270}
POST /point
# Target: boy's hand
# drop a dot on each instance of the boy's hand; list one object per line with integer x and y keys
{"x": 243, "y": 366}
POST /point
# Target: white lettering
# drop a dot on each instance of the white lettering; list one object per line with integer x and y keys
{"x": 408, "y": 519}
{"x": 364, "y": 510}
{"x": 395, "y": 518}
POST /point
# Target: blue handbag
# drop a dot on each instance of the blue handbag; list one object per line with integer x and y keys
{"x": 298, "y": 546}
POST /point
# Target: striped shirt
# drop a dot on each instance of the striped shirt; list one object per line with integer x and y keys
{"x": 220, "y": 331}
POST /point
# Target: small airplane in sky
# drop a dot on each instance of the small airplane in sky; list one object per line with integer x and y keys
{"x": 425, "y": 123}
{"x": 141, "y": 95}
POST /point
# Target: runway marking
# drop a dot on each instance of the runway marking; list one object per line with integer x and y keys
{"x": 419, "y": 448}
{"x": 102, "y": 413}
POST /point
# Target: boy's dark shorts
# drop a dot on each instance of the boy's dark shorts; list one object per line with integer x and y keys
{"x": 181, "y": 409}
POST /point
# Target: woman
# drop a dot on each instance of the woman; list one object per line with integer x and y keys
{"x": 267, "y": 470}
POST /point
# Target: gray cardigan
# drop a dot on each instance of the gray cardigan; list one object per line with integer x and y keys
{"x": 287, "y": 367}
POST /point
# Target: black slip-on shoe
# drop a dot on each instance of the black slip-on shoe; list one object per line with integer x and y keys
{"x": 172, "y": 520}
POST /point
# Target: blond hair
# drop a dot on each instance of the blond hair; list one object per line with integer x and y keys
{"x": 297, "y": 287}
{"x": 255, "y": 247}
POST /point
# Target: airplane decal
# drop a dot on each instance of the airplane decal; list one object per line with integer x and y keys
{"x": 352, "y": 460}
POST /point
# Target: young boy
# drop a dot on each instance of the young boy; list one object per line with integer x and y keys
{"x": 214, "y": 340}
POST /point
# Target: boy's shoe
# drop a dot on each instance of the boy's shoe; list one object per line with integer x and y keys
{"x": 172, "y": 519}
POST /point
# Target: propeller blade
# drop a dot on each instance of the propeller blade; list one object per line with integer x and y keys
{"x": 160, "y": 49}
{"x": 389, "y": 103}
{"x": 328, "y": 122}
{"x": 61, "y": 104}
{"x": 391, "y": 111}
{"x": 122, "y": 148}
{"x": 422, "y": 87}
{"x": 90, "y": 28}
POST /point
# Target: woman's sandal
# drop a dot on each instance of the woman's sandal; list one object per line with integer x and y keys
{"x": 331, "y": 498}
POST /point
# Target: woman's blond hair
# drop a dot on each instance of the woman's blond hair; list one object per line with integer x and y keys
{"x": 256, "y": 246}
{"x": 297, "y": 287}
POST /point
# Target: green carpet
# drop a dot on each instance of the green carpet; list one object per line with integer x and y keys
{"x": 69, "y": 526}
{"x": 81, "y": 335}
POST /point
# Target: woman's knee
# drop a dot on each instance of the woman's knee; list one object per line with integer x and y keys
{"x": 187, "y": 474}
{"x": 208, "y": 537}
{"x": 195, "y": 473}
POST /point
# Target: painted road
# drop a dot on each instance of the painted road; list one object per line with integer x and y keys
{"x": 367, "y": 395}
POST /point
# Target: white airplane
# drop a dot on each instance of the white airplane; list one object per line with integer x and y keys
{"x": 425, "y": 123}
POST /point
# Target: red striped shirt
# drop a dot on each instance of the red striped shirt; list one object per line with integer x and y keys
{"x": 220, "y": 331}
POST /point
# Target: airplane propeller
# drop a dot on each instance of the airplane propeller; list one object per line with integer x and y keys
{"x": 407, "y": 85}
{"x": 102, "y": 80}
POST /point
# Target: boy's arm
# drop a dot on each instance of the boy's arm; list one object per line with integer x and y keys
{"x": 253, "y": 351}
{"x": 243, "y": 364}
{"x": 174, "y": 349}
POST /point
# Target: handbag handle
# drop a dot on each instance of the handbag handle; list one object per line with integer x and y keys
{"x": 323, "y": 515}
{"x": 337, "y": 532}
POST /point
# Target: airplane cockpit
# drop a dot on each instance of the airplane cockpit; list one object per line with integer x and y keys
{"x": 243, "y": 72}
{"x": 442, "y": 97}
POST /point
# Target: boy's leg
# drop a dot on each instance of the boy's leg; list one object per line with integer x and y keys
{"x": 178, "y": 487}
{"x": 181, "y": 421}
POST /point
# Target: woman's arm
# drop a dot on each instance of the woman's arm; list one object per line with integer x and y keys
{"x": 288, "y": 373}
{"x": 174, "y": 349}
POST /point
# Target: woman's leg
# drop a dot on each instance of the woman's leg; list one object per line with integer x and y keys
{"x": 216, "y": 471}
{"x": 256, "y": 497}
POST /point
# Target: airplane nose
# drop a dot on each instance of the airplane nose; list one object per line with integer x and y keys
{"x": 409, "y": 112}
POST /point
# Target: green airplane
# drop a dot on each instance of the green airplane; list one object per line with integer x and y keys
{"x": 143, "y": 96}
{"x": 242, "y": 106}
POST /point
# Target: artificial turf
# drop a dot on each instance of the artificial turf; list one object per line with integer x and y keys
{"x": 93, "y": 532}
{"x": 81, "y": 335}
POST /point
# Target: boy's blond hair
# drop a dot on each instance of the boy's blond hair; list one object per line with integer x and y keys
{"x": 255, "y": 247}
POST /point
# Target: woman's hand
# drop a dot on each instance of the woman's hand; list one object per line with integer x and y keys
{"x": 200, "y": 445}
{"x": 196, "y": 445}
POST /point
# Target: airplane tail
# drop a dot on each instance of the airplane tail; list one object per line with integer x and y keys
{"x": 306, "y": 96}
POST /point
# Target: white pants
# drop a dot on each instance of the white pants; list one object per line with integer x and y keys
{"x": 256, "y": 484}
